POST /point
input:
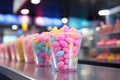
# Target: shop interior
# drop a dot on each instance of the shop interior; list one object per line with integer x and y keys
{"x": 97, "y": 21}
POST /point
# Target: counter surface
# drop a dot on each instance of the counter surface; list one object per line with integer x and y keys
{"x": 24, "y": 71}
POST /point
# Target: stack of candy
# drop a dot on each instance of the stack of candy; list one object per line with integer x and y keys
{"x": 27, "y": 49}
{"x": 19, "y": 49}
{"x": 13, "y": 51}
{"x": 41, "y": 47}
{"x": 65, "y": 44}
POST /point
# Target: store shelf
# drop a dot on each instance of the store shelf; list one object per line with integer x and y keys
{"x": 102, "y": 47}
{"x": 92, "y": 61}
{"x": 109, "y": 33}
{"x": 114, "y": 32}
{"x": 28, "y": 71}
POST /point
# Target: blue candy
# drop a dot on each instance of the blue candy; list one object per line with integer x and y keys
{"x": 60, "y": 53}
{"x": 53, "y": 39}
{"x": 49, "y": 51}
{"x": 41, "y": 44}
{"x": 40, "y": 59}
{"x": 43, "y": 49}
{"x": 35, "y": 46}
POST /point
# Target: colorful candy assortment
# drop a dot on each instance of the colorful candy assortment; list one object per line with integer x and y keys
{"x": 27, "y": 49}
{"x": 41, "y": 47}
{"x": 108, "y": 57}
{"x": 65, "y": 44}
{"x": 19, "y": 49}
{"x": 109, "y": 42}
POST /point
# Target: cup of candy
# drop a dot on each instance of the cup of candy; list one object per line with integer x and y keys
{"x": 65, "y": 45}
{"x": 2, "y": 50}
{"x": 27, "y": 49}
{"x": 13, "y": 50}
{"x": 7, "y": 50}
{"x": 19, "y": 49}
{"x": 41, "y": 48}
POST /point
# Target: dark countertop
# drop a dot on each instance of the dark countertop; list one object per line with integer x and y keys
{"x": 28, "y": 71}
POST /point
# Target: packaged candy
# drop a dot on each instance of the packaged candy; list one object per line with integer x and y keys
{"x": 41, "y": 48}
{"x": 65, "y": 48}
{"x": 27, "y": 49}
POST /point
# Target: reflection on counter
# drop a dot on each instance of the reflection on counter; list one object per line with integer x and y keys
{"x": 83, "y": 72}
{"x": 65, "y": 76}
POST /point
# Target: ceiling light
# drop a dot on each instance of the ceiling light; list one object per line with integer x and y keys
{"x": 104, "y": 12}
{"x": 35, "y": 1}
{"x": 49, "y": 28}
{"x": 24, "y": 11}
{"x": 39, "y": 20}
{"x": 64, "y": 20}
{"x": 97, "y": 28}
{"x": 14, "y": 27}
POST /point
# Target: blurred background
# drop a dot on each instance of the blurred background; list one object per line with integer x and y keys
{"x": 94, "y": 18}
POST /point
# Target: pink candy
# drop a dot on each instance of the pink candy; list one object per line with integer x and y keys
{"x": 60, "y": 37}
{"x": 63, "y": 43}
{"x": 27, "y": 48}
{"x": 69, "y": 40}
{"x": 55, "y": 44}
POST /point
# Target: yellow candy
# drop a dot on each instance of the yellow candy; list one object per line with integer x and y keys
{"x": 33, "y": 38}
{"x": 19, "y": 48}
{"x": 70, "y": 46}
{"x": 47, "y": 33}
{"x": 110, "y": 58}
{"x": 61, "y": 30}
{"x": 73, "y": 33}
{"x": 47, "y": 45}
{"x": 36, "y": 41}
{"x": 55, "y": 31}
{"x": 74, "y": 59}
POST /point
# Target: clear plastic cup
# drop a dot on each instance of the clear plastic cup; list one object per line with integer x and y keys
{"x": 65, "y": 49}
{"x": 7, "y": 51}
{"x": 41, "y": 48}
{"x": 13, "y": 50}
{"x": 27, "y": 49}
{"x": 2, "y": 50}
{"x": 19, "y": 49}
